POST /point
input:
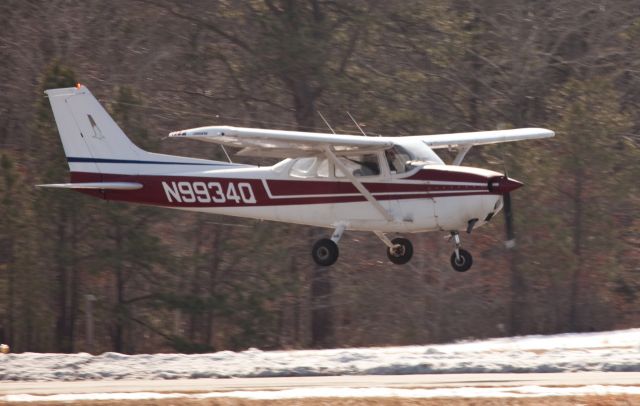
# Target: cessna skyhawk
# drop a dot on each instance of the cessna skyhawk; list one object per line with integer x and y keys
{"x": 343, "y": 182}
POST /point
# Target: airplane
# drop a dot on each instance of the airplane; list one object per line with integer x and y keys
{"x": 336, "y": 181}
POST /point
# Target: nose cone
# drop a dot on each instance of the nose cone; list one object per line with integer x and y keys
{"x": 503, "y": 184}
{"x": 512, "y": 184}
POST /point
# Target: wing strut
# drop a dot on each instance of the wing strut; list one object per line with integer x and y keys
{"x": 333, "y": 158}
{"x": 462, "y": 152}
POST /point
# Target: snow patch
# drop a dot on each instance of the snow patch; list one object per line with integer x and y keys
{"x": 601, "y": 351}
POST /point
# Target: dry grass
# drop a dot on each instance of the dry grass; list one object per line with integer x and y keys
{"x": 611, "y": 400}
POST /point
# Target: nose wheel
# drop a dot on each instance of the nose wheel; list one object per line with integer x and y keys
{"x": 461, "y": 260}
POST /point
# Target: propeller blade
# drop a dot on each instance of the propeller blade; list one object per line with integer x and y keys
{"x": 508, "y": 221}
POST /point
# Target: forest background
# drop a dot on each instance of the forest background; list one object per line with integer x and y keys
{"x": 161, "y": 280}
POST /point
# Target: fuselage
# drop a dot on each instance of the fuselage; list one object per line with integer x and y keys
{"x": 427, "y": 197}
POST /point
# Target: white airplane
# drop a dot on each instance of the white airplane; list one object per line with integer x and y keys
{"x": 343, "y": 182}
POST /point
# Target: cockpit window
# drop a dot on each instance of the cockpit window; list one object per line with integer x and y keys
{"x": 359, "y": 165}
{"x": 399, "y": 159}
{"x": 310, "y": 168}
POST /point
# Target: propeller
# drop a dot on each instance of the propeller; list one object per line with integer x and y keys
{"x": 505, "y": 185}
{"x": 510, "y": 242}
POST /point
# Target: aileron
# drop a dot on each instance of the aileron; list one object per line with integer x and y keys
{"x": 484, "y": 137}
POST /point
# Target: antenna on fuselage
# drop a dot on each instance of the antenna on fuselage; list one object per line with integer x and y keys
{"x": 325, "y": 121}
{"x": 356, "y": 123}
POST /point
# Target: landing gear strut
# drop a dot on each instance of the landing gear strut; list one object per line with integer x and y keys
{"x": 461, "y": 260}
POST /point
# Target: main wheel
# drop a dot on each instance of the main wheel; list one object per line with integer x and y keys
{"x": 402, "y": 254}
{"x": 325, "y": 252}
{"x": 464, "y": 263}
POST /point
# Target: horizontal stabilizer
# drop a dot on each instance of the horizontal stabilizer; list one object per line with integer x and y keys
{"x": 96, "y": 185}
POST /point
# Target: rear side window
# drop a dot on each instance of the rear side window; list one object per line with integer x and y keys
{"x": 312, "y": 167}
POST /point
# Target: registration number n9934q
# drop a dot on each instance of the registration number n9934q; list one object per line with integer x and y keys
{"x": 209, "y": 192}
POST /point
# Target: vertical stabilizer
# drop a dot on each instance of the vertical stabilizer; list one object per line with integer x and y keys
{"x": 89, "y": 134}
{"x": 94, "y": 143}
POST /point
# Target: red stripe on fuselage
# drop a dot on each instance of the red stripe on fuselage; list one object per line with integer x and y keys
{"x": 323, "y": 187}
{"x": 279, "y": 192}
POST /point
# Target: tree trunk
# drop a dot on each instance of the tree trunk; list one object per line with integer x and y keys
{"x": 518, "y": 293}
{"x": 195, "y": 316}
{"x": 118, "y": 328}
{"x": 322, "y": 328}
{"x": 576, "y": 277}
{"x": 213, "y": 283}
{"x": 63, "y": 343}
{"x": 75, "y": 283}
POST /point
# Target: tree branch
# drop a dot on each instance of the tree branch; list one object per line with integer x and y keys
{"x": 203, "y": 23}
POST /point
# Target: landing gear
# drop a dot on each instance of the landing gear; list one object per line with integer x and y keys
{"x": 461, "y": 260}
{"x": 325, "y": 252}
{"x": 401, "y": 252}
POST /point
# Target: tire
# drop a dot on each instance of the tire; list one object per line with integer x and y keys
{"x": 465, "y": 262}
{"x": 403, "y": 254}
{"x": 325, "y": 252}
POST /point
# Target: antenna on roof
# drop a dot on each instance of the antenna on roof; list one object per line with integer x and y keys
{"x": 356, "y": 123}
{"x": 325, "y": 121}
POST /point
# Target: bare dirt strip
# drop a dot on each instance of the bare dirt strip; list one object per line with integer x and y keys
{"x": 610, "y": 400}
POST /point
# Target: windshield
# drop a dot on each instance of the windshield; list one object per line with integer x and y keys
{"x": 404, "y": 158}
{"x": 407, "y": 154}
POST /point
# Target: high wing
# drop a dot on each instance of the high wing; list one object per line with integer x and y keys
{"x": 292, "y": 144}
{"x": 483, "y": 137}
{"x": 280, "y": 144}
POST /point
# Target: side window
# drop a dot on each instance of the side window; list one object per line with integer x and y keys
{"x": 310, "y": 168}
{"x": 398, "y": 159}
{"x": 359, "y": 165}
{"x": 323, "y": 168}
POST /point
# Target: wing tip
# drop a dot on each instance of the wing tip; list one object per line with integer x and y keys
{"x": 542, "y": 131}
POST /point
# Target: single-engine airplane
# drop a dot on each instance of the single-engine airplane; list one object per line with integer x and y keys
{"x": 342, "y": 182}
